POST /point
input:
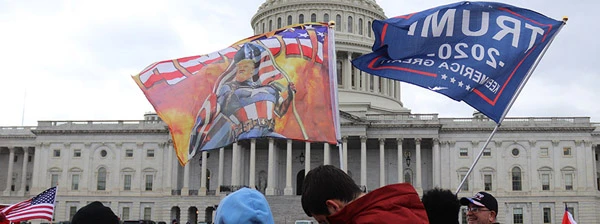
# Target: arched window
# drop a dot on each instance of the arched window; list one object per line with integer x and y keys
{"x": 407, "y": 177}
{"x": 369, "y": 29}
{"x": 516, "y": 179}
{"x": 101, "y": 186}
{"x": 289, "y": 22}
{"x": 326, "y": 18}
{"x": 360, "y": 26}
{"x": 278, "y": 22}
{"x": 349, "y": 24}
{"x": 313, "y": 17}
{"x": 338, "y": 23}
{"x": 270, "y": 25}
{"x": 301, "y": 18}
{"x": 263, "y": 28}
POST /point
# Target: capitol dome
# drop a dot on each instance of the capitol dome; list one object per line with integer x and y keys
{"x": 359, "y": 93}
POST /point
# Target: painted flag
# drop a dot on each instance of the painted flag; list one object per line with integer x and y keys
{"x": 481, "y": 53}
{"x": 568, "y": 217}
{"x": 278, "y": 84}
{"x": 38, "y": 207}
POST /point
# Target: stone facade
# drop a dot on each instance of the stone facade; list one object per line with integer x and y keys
{"x": 533, "y": 165}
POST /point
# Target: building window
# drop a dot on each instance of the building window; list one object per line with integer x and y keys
{"x": 569, "y": 181}
{"x": 125, "y": 213}
{"x": 77, "y": 153}
{"x": 75, "y": 182}
{"x": 72, "y": 211}
{"x": 487, "y": 152}
{"x": 147, "y": 213}
{"x": 544, "y": 152}
{"x": 547, "y": 213}
{"x": 465, "y": 186}
{"x": 380, "y": 83}
{"x": 515, "y": 152}
{"x": 101, "y": 181}
{"x": 54, "y": 180}
{"x": 518, "y": 215}
{"x": 129, "y": 153}
{"x": 56, "y": 153}
{"x": 29, "y": 158}
{"x": 16, "y": 158}
{"x": 463, "y": 152}
{"x": 545, "y": 182}
{"x": 313, "y": 17}
{"x": 567, "y": 151}
{"x": 516, "y": 179}
{"x": 263, "y": 27}
{"x": 103, "y": 153}
{"x": 350, "y": 24}
{"x": 353, "y": 81}
{"x": 407, "y": 177}
{"x": 289, "y": 20}
{"x": 301, "y": 18}
{"x": 270, "y": 25}
{"x": 338, "y": 22}
{"x": 487, "y": 182}
{"x": 149, "y": 181}
{"x": 278, "y": 22}
{"x": 338, "y": 69}
{"x": 360, "y": 26}
{"x": 463, "y": 219}
{"x": 326, "y": 18}
{"x": 150, "y": 153}
{"x": 127, "y": 182}
{"x": 369, "y": 29}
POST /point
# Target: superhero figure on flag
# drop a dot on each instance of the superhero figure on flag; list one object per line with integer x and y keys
{"x": 249, "y": 94}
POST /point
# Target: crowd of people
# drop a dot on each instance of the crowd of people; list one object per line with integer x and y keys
{"x": 331, "y": 196}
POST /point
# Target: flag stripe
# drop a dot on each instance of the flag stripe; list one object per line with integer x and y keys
{"x": 38, "y": 207}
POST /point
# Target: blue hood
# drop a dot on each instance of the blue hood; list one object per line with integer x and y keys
{"x": 244, "y": 206}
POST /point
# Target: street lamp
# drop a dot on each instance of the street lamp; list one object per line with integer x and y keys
{"x": 407, "y": 155}
{"x": 301, "y": 158}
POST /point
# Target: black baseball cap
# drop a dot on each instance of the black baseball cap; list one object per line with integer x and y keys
{"x": 482, "y": 199}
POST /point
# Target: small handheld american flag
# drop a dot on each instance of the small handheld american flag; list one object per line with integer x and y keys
{"x": 38, "y": 207}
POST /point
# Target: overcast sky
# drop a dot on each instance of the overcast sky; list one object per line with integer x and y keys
{"x": 73, "y": 59}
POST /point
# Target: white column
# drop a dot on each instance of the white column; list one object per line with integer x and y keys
{"x": 345, "y": 153}
{"x": 400, "y": 161}
{"x": 418, "y": 149}
{"x": 376, "y": 84}
{"x": 363, "y": 161}
{"x": 220, "y": 175}
{"x": 437, "y": 163}
{"x": 252, "y": 164}
{"x": 235, "y": 162}
{"x": 24, "y": 172}
{"x": 326, "y": 154}
{"x": 348, "y": 71}
{"x": 186, "y": 180}
{"x": 36, "y": 175}
{"x": 168, "y": 185}
{"x": 382, "y": 162}
{"x": 288, "y": 190}
{"x": 307, "y": 157}
{"x": 11, "y": 158}
{"x": 202, "y": 190}
{"x": 271, "y": 169}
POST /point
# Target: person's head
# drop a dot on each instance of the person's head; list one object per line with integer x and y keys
{"x": 326, "y": 190}
{"x": 95, "y": 213}
{"x": 246, "y": 60}
{"x": 442, "y": 206}
{"x": 482, "y": 208}
{"x": 244, "y": 206}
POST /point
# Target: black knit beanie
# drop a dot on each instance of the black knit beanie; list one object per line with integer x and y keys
{"x": 95, "y": 213}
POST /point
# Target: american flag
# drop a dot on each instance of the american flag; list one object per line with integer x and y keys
{"x": 38, "y": 207}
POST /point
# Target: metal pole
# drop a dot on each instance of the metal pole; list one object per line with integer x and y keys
{"x": 477, "y": 159}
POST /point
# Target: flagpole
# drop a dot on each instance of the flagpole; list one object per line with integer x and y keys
{"x": 512, "y": 101}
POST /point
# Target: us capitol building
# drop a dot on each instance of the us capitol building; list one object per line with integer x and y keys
{"x": 533, "y": 165}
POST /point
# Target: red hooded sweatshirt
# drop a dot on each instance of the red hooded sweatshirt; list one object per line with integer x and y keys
{"x": 396, "y": 203}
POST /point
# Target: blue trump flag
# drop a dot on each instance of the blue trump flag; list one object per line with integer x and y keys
{"x": 478, "y": 52}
